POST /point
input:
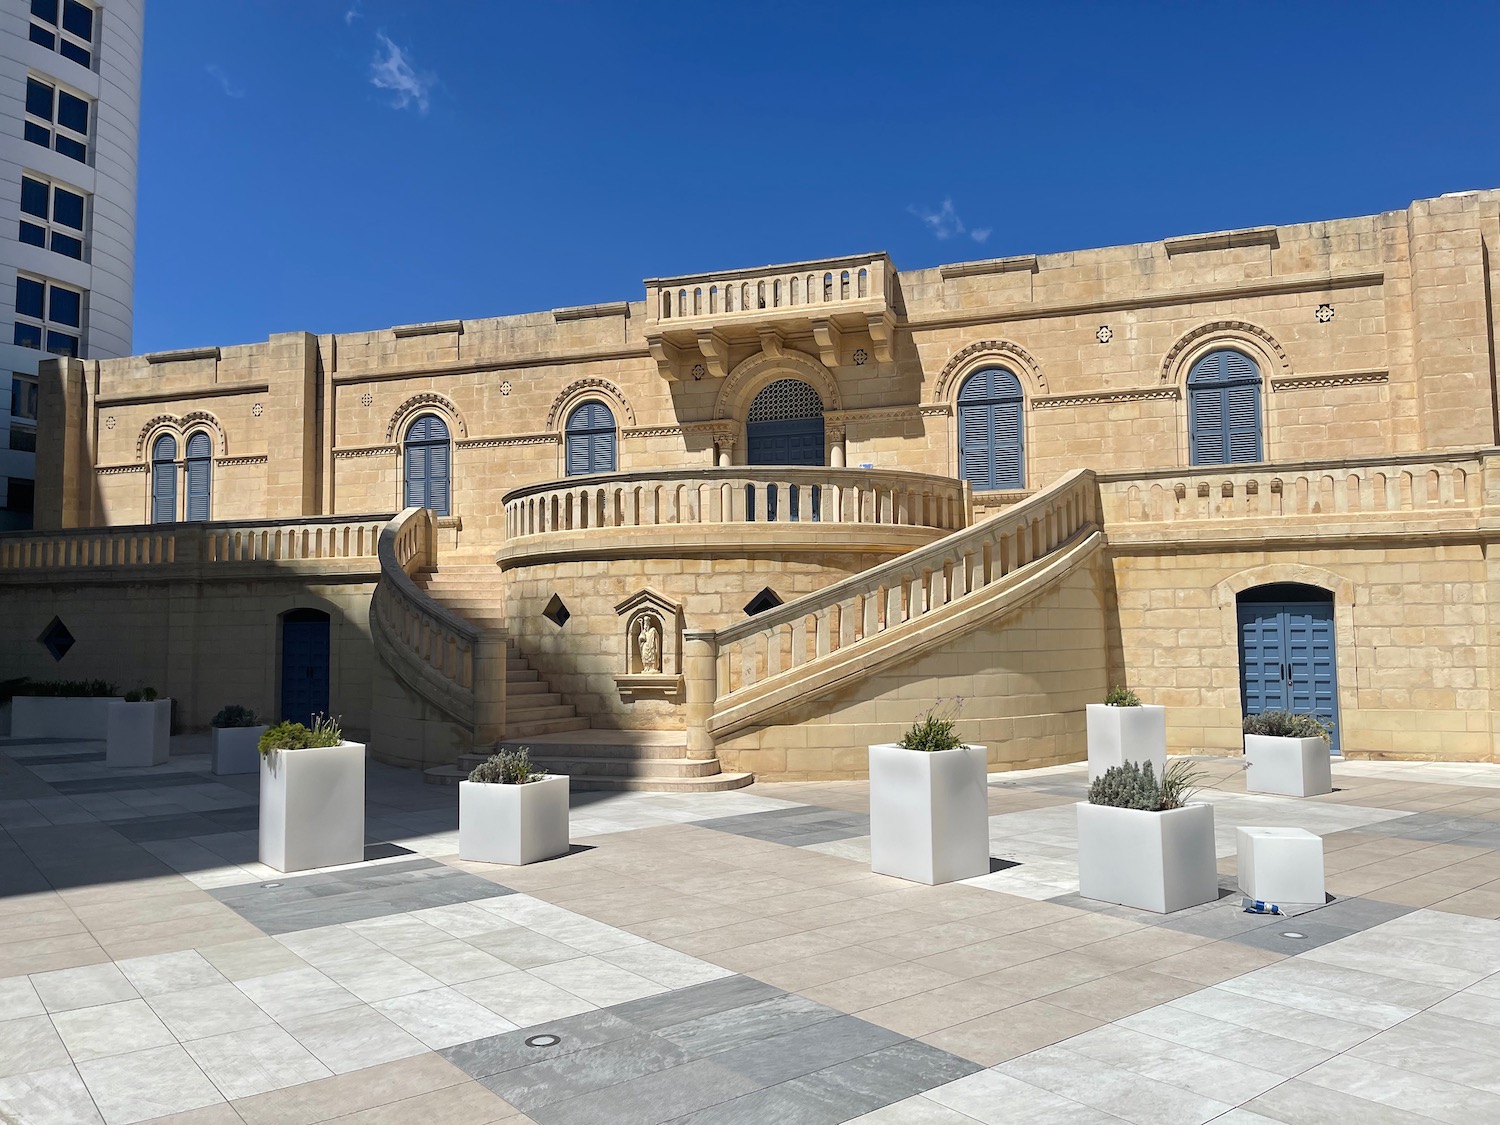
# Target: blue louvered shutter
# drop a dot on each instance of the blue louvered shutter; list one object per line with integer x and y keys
{"x": 437, "y": 475}
{"x": 199, "y": 477}
{"x": 590, "y": 440}
{"x": 1224, "y": 419}
{"x": 427, "y": 464}
{"x": 164, "y": 480}
{"x": 991, "y": 430}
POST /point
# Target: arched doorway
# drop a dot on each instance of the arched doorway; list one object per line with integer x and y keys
{"x": 1288, "y": 658}
{"x": 785, "y": 425}
{"x": 304, "y": 665}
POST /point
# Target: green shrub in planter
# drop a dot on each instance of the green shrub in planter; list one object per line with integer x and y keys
{"x": 509, "y": 767}
{"x": 233, "y": 715}
{"x": 141, "y": 695}
{"x": 1284, "y": 724}
{"x": 1122, "y": 697}
{"x": 1134, "y": 785}
{"x": 935, "y": 731}
{"x": 294, "y": 736}
{"x": 71, "y": 689}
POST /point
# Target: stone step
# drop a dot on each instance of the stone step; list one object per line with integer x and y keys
{"x": 580, "y": 745}
{"x": 545, "y": 726}
{"x": 715, "y": 783}
{"x": 530, "y": 688}
{"x": 612, "y": 767}
{"x": 531, "y": 713}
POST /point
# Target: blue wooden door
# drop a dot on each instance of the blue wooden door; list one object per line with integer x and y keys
{"x": 1287, "y": 660}
{"x": 795, "y": 441}
{"x": 304, "y": 665}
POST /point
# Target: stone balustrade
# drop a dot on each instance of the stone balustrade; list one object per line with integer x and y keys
{"x": 807, "y": 286}
{"x": 738, "y": 495}
{"x": 316, "y": 538}
{"x": 781, "y": 641}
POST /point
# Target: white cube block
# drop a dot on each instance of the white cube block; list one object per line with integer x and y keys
{"x": 1158, "y": 861}
{"x": 312, "y": 807}
{"x": 1126, "y": 734}
{"x": 929, "y": 813}
{"x": 1292, "y": 767}
{"x": 139, "y": 734}
{"x": 54, "y": 716}
{"x": 1281, "y": 865}
{"x": 513, "y": 824}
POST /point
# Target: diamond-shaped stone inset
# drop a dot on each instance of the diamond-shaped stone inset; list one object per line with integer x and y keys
{"x": 56, "y": 639}
{"x": 505, "y": 387}
{"x": 257, "y": 410}
{"x": 367, "y": 399}
{"x": 556, "y": 612}
{"x": 699, "y": 371}
{"x": 1324, "y": 314}
{"x": 1105, "y": 334}
{"x": 766, "y": 599}
{"x": 109, "y": 423}
{"x": 860, "y": 357}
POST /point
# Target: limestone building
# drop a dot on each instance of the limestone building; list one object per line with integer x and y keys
{"x": 759, "y": 518}
{"x": 70, "y": 90}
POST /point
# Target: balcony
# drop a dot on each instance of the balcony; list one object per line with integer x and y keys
{"x": 693, "y": 321}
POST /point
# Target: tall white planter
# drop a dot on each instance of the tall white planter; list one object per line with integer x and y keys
{"x": 1293, "y": 767}
{"x": 1126, "y": 734}
{"x": 513, "y": 824}
{"x": 138, "y": 734}
{"x": 929, "y": 813}
{"x": 237, "y": 749}
{"x": 52, "y": 716}
{"x": 312, "y": 807}
{"x": 1160, "y": 861}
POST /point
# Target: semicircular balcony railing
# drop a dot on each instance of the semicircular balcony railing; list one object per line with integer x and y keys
{"x": 738, "y": 494}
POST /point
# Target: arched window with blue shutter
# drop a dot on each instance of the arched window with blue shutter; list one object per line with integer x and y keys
{"x": 991, "y": 436}
{"x": 1224, "y": 409}
{"x": 164, "y": 479}
{"x": 427, "y": 460}
{"x": 200, "y": 470}
{"x": 590, "y": 440}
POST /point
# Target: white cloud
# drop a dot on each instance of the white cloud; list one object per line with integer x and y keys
{"x": 217, "y": 73}
{"x": 352, "y": 14}
{"x": 945, "y": 223}
{"x": 393, "y": 71}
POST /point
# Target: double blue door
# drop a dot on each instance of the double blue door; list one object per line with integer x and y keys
{"x": 1287, "y": 659}
{"x": 798, "y": 441}
{"x": 304, "y": 665}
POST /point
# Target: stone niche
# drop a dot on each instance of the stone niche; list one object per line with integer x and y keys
{"x": 651, "y": 664}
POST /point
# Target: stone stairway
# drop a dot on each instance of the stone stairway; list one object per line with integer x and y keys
{"x": 559, "y": 739}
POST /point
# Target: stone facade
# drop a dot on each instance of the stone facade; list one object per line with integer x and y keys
{"x": 1373, "y": 338}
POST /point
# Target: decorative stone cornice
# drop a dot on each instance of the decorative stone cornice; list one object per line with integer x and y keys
{"x": 1329, "y": 379}
{"x": 510, "y": 440}
{"x": 1089, "y": 398}
{"x": 247, "y": 459}
{"x": 1023, "y": 263}
{"x": 368, "y": 451}
{"x": 431, "y": 328}
{"x": 872, "y": 414}
{"x": 589, "y": 312}
{"x": 1220, "y": 240}
{"x": 652, "y": 431}
{"x": 1228, "y": 329}
{"x": 116, "y": 470}
{"x": 182, "y": 355}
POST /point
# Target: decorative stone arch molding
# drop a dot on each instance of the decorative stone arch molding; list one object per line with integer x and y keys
{"x": 756, "y": 373}
{"x": 427, "y": 403}
{"x": 989, "y": 353}
{"x": 181, "y": 427}
{"x": 582, "y": 390}
{"x": 1262, "y": 346}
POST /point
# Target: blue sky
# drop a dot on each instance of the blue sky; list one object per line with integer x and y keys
{"x": 337, "y": 165}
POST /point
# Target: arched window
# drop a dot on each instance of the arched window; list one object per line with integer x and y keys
{"x": 1224, "y": 409}
{"x": 427, "y": 463}
{"x": 164, "y": 480}
{"x": 785, "y": 425}
{"x": 590, "y": 440}
{"x": 991, "y": 438}
{"x": 200, "y": 480}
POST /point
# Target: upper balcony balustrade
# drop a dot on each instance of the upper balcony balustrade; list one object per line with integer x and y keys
{"x": 694, "y": 320}
{"x": 731, "y": 509}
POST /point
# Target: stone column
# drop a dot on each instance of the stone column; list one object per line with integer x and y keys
{"x": 700, "y": 661}
{"x": 836, "y": 446}
{"x": 489, "y": 687}
{"x": 726, "y": 452}
{"x": 64, "y": 455}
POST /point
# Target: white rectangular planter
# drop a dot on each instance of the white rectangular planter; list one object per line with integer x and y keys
{"x": 513, "y": 824}
{"x": 312, "y": 807}
{"x": 1126, "y": 734}
{"x": 139, "y": 734}
{"x": 1160, "y": 861}
{"x": 1293, "y": 767}
{"x": 54, "y": 716}
{"x": 929, "y": 813}
{"x": 1281, "y": 864}
{"x": 236, "y": 749}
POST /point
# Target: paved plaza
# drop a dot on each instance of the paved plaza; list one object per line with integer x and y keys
{"x": 716, "y": 958}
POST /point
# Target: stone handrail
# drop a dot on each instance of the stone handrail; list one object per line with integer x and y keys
{"x": 811, "y": 286}
{"x": 738, "y": 494}
{"x": 1424, "y": 485}
{"x": 210, "y": 544}
{"x": 781, "y": 641}
{"x": 428, "y": 648}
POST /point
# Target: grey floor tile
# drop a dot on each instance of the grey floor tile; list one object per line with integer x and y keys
{"x": 148, "y": 1084}
{"x": 807, "y": 1049}
{"x": 353, "y": 1038}
{"x": 1272, "y": 938}
{"x": 784, "y": 1105}
{"x": 55, "y": 1094}
{"x": 695, "y": 1001}
{"x": 722, "y": 1030}
{"x": 499, "y": 1053}
{"x": 568, "y": 1076}
{"x": 885, "y": 1076}
{"x": 110, "y": 1029}
{"x": 650, "y": 1099}
{"x": 65, "y": 989}
{"x": 30, "y": 1043}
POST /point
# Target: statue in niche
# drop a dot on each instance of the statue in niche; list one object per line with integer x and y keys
{"x": 650, "y": 643}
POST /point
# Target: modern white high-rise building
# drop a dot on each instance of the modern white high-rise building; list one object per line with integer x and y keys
{"x": 70, "y": 108}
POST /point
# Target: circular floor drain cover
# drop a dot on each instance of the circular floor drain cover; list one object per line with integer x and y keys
{"x": 1292, "y": 934}
{"x": 544, "y": 1041}
{"x": 269, "y": 886}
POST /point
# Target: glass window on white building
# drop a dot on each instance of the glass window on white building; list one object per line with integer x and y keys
{"x": 57, "y": 119}
{"x": 49, "y": 317}
{"x": 52, "y": 216}
{"x": 66, "y": 27}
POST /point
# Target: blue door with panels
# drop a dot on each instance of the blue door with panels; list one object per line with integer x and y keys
{"x": 199, "y": 477}
{"x": 1224, "y": 424}
{"x": 785, "y": 425}
{"x": 590, "y": 440}
{"x": 1288, "y": 659}
{"x": 304, "y": 665}
{"x": 427, "y": 463}
{"x": 991, "y": 435}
